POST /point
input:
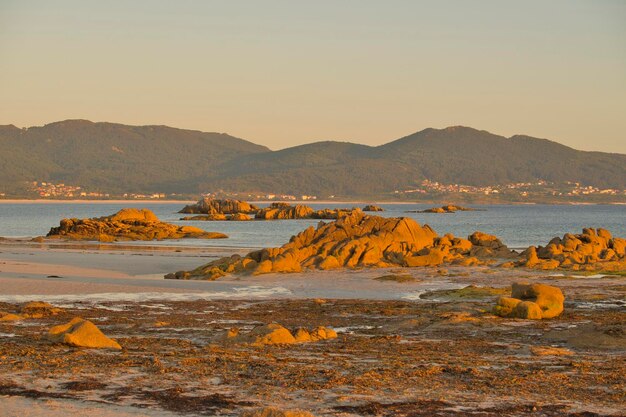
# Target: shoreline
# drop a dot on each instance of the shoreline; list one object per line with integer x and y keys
{"x": 118, "y": 201}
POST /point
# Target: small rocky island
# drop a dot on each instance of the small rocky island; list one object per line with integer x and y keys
{"x": 126, "y": 225}
{"x": 449, "y": 208}
{"x": 209, "y": 209}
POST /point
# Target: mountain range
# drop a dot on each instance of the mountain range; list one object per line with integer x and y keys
{"x": 118, "y": 158}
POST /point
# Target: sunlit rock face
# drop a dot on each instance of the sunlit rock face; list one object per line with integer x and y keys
{"x": 127, "y": 224}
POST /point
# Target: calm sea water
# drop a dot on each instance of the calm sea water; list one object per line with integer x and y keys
{"x": 518, "y": 226}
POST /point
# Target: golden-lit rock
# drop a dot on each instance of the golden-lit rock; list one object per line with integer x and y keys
{"x": 275, "y": 334}
{"x": 550, "y": 299}
{"x": 531, "y": 301}
{"x": 592, "y": 250}
{"x": 81, "y": 333}
{"x": 355, "y": 240}
{"x": 216, "y": 206}
{"x": 372, "y": 207}
{"x": 9, "y": 317}
{"x": 127, "y": 224}
{"x": 449, "y": 208}
{"x": 39, "y": 309}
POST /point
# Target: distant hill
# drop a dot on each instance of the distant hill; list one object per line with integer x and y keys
{"x": 458, "y": 155}
{"x": 115, "y": 157}
{"x": 119, "y": 158}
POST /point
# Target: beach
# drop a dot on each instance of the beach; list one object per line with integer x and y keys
{"x": 418, "y": 346}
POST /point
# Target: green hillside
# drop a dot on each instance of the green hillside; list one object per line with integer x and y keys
{"x": 117, "y": 158}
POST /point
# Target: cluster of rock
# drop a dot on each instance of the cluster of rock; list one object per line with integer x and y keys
{"x": 593, "y": 249}
{"x": 372, "y": 207}
{"x": 444, "y": 209}
{"x": 81, "y": 333}
{"x": 127, "y": 224}
{"x": 275, "y": 412}
{"x": 31, "y": 310}
{"x": 358, "y": 240}
{"x": 285, "y": 211}
{"x": 531, "y": 301}
{"x": 218, "y": 217}
{"x": 275, "y": 334}
{"x": 215, "y": 206}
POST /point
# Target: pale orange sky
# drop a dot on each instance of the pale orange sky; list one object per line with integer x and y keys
{"x": 282, "y": 73}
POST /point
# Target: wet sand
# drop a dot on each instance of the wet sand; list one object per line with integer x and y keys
{"x": 404, "y": 348}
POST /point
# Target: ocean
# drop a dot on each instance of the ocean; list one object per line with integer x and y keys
{"x": 518, "y": 226}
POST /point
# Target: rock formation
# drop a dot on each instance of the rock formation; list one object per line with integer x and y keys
{"x": 39, "y": 309}
{"x": 593, "y": 249}
{"x": 531, "y": 301}
{"x": 275, "y": 334}
{"x": 353, "y": 241}
{"x": 372, "y": 207}
{"x": 285, "y": 211}
{"x": 215, "y": 206}
{"x": 218, "y": 217}
{"x": 444, "y": 209}
{"x": 127, "y": 224}
{"x": 81, "y": 333}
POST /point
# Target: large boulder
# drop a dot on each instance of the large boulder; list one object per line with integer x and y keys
{"x": 127, "y": 224}
{"x": 548, "y": 298}
{"x": 39, "y": 309}
{"x": 216, "y": 206}
{"x": 81, "y": 333}
{"x": 531, "y": 301}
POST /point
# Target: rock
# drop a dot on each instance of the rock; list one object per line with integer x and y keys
{"x": 275, "y": 334}
{"x": 531, "y": 301}
{"x": 275, "y": 412}
{"x": 39, "y": 309}
{"x": 132, "y": 214}
{"x": 216, "y": 206}
{"x": 127, "y": 224}
{"x": 239, "y": 217}
{"x": 593, "y": 249}
{"x": 372, "y": 207}
{"x": 7, "y": 317}
{"x": 81, "y": 333}
{"x": 284, "y": 211}
{"x": 505, "y": 306}
{"x": 449, "y": 208}
{"x": 527, "y": 310}
{"x": 548, "y": 298}
{"x": 355, "y": 240}
{"x": 205, "y": 217}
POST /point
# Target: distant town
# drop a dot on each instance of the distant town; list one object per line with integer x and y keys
{"x": 425, "y": 191}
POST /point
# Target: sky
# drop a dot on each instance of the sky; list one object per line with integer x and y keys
{"x": 283, "y": 73}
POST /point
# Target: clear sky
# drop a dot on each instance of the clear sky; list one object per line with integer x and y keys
{"x": 282, "y": 73}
